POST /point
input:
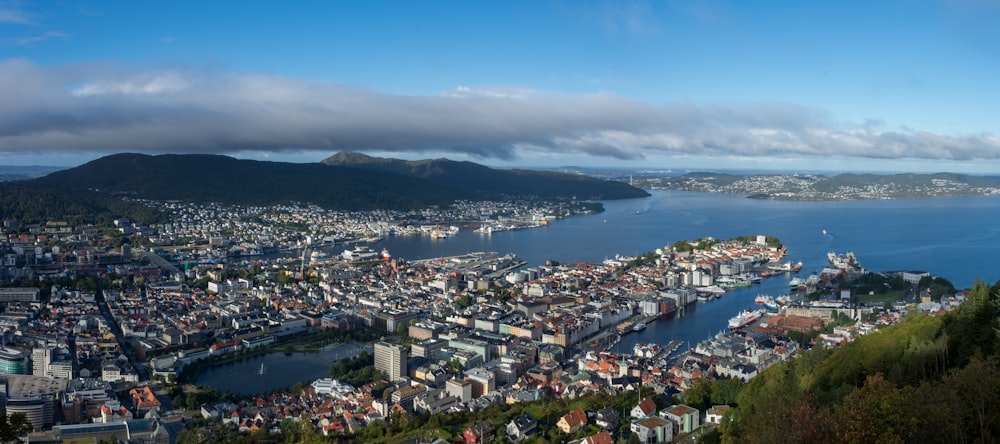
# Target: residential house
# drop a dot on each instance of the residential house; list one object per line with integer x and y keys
{"x": 644, "y": 409}
{"x": 607, "y": 418}
{"x": 572, "y": 421}
{"x": 715, "y": 413}
{"x": 479, "y": 432}
{"x": 602, "y": 437}
{"x": 522, "y": 427}
{"x": 685, "y": 418}
{"x": 653, "y": 430}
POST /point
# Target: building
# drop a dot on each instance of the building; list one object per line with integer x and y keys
{"x": 715, "y": 413}
{"x": 40, "y": 359}
{"x": 479, "y": 432}
{"x": 19, "y": 294}
{"x": 685, "y": 418}
{"x": 644, "y": 409}
{"x": 14, "y": 361}
{"x": 483, "y": 381}
{"x": 404, "y": 396}
{"x": 144, "y": 399}
{"x": 521, "y": 428}
{"x": 390, "y": 359}
{"x": 34, "y": 396}
{"x": 572, "y": 421}
{"x": 460, "y": 389}
{"x": 607, "y": 418}
{"x": 433, "y": 402}
{"x": 653, "y": 430}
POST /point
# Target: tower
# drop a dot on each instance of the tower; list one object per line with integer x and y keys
{"x": 390, "y": 359}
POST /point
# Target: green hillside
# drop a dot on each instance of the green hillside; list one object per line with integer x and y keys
{"x": 473, "y": 176}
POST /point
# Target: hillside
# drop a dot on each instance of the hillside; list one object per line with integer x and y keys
{"x": 891, "y": 386}
{"x": 213, "y": 178}
{"x": 473, "y": 176}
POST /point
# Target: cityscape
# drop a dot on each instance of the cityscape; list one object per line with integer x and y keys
{"x": 548, "y": 222}
{"x": 144, "y": 308}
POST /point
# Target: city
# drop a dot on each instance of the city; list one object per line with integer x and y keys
{"x": 458, "y": 333}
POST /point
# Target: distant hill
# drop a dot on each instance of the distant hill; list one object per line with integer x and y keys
{"x": 818, "y": 187}
{"x": 215, "y": 178}
{"x": 473, "y": 176}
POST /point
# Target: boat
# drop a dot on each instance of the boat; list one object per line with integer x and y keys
{"x": 261, "y": 371}
{"x": 640, "y": 326}
{"x": 796, "y": 282}
{"x": 797, "y": 267}
{"x": 760, "y": 299}
{"x": 771, "y": 306}
{"x": 743, "y": 318}
{"x": 824, "y": 232}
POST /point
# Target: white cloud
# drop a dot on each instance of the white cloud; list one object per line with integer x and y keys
{"x": 105, "y": 108}
{"x": 14, "y": 16}
{"x": 30, "y": 40}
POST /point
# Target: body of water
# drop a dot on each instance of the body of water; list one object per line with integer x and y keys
{"x": 950, "y": 237}
{"x": 275, "y": 371}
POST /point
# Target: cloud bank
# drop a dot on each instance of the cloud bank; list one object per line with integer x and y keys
{"x": 103, "y": 108}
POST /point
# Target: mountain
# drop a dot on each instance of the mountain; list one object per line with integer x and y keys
{"x": 215, "y": 178}
{"x": 473, "y": 176}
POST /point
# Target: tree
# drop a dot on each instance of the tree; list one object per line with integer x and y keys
{"x": 13, "y": 426}
{"x": 402, "y": 330}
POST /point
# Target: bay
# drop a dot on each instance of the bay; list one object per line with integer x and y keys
{"x": 955, "y": 238}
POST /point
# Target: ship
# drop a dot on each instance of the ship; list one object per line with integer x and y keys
{"x": 771, "y": 306}
{"x": 640, "y": 326}
{"x": 795, "y": 283}
{"x": 797, "y": 268}
{"x": 743, "y": 318}
{"x": 761, "y": 299}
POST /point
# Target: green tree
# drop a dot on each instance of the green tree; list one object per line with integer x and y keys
{"x": 13, "y": 426}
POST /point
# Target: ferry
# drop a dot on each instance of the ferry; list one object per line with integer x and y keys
{"x": 743, "y": 318}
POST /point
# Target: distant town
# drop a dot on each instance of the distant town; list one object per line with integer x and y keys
{"x": 818, "y": 187}
{"x": 106, "y": 328}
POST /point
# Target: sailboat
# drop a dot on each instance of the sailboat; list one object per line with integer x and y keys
{"x": 261, "y": 371}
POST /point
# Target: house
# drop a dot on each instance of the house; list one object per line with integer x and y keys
{"x": 653, "y": 430}
{"x": 644, "y": 409}
{"x": 715, "y": 413}
{"x": 685, "y": 418}
{"x": 607, "y": 418}
{"x": 479, "y": 432}
{"x": 572, "y": 421}
{"x": 520, "y": 428}
{"x": 602, "y": 437}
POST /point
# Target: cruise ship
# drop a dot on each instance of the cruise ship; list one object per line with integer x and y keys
{"x": 743, "y": 318}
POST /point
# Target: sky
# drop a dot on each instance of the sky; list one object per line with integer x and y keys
{"x": 840, "y": 85}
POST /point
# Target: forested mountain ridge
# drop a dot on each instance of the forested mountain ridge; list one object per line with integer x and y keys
{"x": 515, "y": 182}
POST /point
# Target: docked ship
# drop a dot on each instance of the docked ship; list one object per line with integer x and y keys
{"x": 795, "y": 283}
{"x": 743, "y": 318}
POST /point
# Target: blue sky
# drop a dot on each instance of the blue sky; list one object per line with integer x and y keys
{"x": 887, "y": 85}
